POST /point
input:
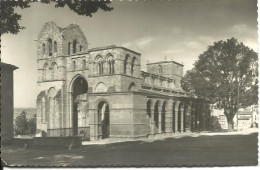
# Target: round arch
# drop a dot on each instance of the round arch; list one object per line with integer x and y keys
{"x": 103, "y": 118}
{"x": 132, "y": 87}
{"x": 78, "y": 87}
{"x": 70, "y": 88}
{"x": 101, "y": 87}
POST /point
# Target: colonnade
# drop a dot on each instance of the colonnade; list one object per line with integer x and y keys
{"x": 177, "y": 116}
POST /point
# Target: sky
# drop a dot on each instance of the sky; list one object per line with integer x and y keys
{"x": 178, "y": 30}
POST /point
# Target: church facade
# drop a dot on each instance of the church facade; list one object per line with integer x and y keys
{"x": 103, "y": 93}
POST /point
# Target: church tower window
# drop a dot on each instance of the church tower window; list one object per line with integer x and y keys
{"x": 133, "y": 66}
{"x": 69, "y": 44}
{"x": 43, "y": 49}
{"x": 74, "y": 46}
{"x": 50, "y": 46}
{"x": 55, "y": 46}
{"x": 80, "y": 48}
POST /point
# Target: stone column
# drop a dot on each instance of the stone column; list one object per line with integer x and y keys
{"x": 176, "y": 109}
{"x": 160, "y": 119}
{"x": 152, "y": 120}
{"x": 168, "y": 118}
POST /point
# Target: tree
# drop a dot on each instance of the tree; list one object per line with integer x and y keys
{"x": 21, "y": 126}
{"x": 227, "y": 75}
{"x": 32, "y": 125}
{"x": 9, "y": 19}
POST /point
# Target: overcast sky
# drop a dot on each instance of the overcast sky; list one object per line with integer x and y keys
{"x": 179, "y": 30}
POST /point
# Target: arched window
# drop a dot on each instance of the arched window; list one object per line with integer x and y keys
{"x": 44, "y": 72}
{"x": 83, "y": 64}
{"x": 74, "y": 46}
{"x": 43, "y": 49}
{"x": 100, "y": 67}
{"x": 132, "y": 66}
{"x": 99, "y": 61}
{"x": 69, "y": 44}
{"x": 125, "y": 64}
{"x": 54, "y": 72}
{"x": 160, "y": 69}
{"x": 55, "y": 46}
{"x": 111, "y": 68}
{"x": 80, "y": 48}
{"x": 132, "y": 87}
{"x": 50, "y": 46}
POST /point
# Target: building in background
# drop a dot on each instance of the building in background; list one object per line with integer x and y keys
{"x": 244, "y": 119}
{"x": 103, "y": 93}
{"x": 7, "y": 101}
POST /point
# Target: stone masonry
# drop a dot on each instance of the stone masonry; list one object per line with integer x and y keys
{"x": 101, "y": 92}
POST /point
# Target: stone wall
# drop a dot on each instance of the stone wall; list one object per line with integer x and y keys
{"x": 7, "y": 103}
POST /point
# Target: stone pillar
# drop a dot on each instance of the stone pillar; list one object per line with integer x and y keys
{"x": 69, "y": 116}
{"x": 160, "y": 120}
{"x": 182, "y": 119}
{"x": 152, "y": 120}
{"x": 176, "y": 109}
{"x": 168, "y": 118}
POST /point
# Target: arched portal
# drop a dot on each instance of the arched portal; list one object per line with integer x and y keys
{"x": 103, "y": 120}
{"x": 79, "y": 87}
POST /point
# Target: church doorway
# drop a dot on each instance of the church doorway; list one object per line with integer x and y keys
{"x": 103, "y": 120}
{"x": 79, "y": 88}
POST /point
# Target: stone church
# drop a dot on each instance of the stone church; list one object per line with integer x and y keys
{"x": 102, "y": 92}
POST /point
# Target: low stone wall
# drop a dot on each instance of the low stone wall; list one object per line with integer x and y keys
{"x": 68, "y": 142}
{"x": 22, "y": 142}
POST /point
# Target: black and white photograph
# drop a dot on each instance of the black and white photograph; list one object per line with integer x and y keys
{"x": 129, "y": 83}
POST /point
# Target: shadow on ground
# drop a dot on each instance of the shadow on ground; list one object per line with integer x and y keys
{"x": 219, "y": 150}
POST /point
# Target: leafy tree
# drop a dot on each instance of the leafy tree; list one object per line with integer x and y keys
{"x": 32, "y": 125}
{"x": 227, "y": 75}
{"x": 21, "y": 125}
{"x": 9, "y": 19}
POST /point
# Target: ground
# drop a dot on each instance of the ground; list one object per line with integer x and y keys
{"x": 204, "y": 149}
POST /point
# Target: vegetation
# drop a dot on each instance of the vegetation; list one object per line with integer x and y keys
{"x": 225, "y": 74}
{"x": 10, "y": 20}
{"x": 24, "y": 126}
